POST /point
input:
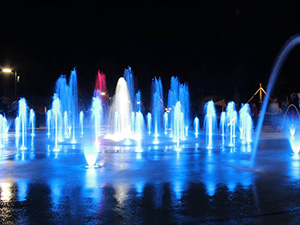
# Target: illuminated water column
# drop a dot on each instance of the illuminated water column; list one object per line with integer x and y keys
{"x": 3, "y": 130}
{"x": 22, "y": 115}
{"x": 32, "y": 121}
{"x": 120, "y": 113}
{"x": 66, "y": 125}
{"x": 231, "y": 120}
{"x": 245, "y": 124}
{"x": 57, "y": 121}
{"x": 157, "y": 105}
{"x": 149, "y": 121}
{"x": 68, "y": 95}
{"x": 210, "y": 122}
{"x": 177, "y": 124}
{"x": 97, "y": 113}
{"x": 81, "y": 115}
{"x": 166, "y": 120}
{"x": 223, "y": 127}
{"x": 196, "y": 126}
{"x": 48, "y": 118}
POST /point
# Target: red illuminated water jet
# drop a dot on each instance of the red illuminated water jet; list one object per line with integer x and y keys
{"x": 100, "y": 87}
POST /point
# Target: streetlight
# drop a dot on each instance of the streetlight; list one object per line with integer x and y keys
{"x": 8, "y": 70}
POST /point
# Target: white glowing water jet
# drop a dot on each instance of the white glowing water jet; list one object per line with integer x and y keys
{"x": 48, "y": 118}
{"x": 57, "y": 121}
{"x": 149, "y": 121}
{"x": 97, "y": 113}
{"x": 66, "y": 125}
{"x": 91, "y": 157}
{"x": 196, "y": 126}
{"x": 32, "y": 121}
{"x": 3, "y": 130}
{"x": 81, "y": 115}
{"x": 22, "y": 115}
{"x": 210, "y": 122}
{"x": 231, "y": 120}
{"x": 166, "y": 120}
{"x": 178, "y": 125}
{"x": 245, "y": 124}
{"x": 120, "y": 113}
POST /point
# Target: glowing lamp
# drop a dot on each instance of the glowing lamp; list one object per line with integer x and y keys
{"x": 6, "y": 70}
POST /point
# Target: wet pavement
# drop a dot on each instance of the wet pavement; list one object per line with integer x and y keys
{"x": 155, "y": 186}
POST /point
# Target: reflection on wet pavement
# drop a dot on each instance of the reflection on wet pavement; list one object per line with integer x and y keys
{"x": 155, "y": 186}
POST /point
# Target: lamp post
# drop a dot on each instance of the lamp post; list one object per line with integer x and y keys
{"x": 7, "y": 70}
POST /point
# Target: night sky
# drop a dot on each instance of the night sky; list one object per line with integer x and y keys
{"x": 223, "y": 48}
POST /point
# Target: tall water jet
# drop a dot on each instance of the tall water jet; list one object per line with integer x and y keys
{"x": 120, "y": 113}
{"x": 81, "y": 115}
{"x": 210, "y": 122}
{"x": 68, "y": 95}
{"x": 223, "y": 128}
{"x": 97, "y": 114}
{"x": 3, "y": 130}
{"x": 149, "y": 121}
{"x": 17, "y": 127}
{"x": 48, "y": 118}
{"x": 223, "y": 123}
{"x": 32, "y": 121}
{"x": 288, "y": 46}
{"x": 66, "y": 125}
{"x": 128, "y": 76}
{"x": 100, "y": 87}
{"x": 178, "y": 92}
{"x": 178, "y": 125}
{"x": 166, "y": 121}
{"x": 74, "y": 102}
{"x": 139, "y": 128}
{"x": 196, "y": 126}
{"x": 57, "y": 121}
{"x": 245, "y": 124}
{"x": 231, "y": 120}
{"x": 157, "y": 105}
{"x": 138, "y": 102}
{"x": 22, "y": 115}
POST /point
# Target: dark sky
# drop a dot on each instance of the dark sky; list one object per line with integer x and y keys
{"x": 218, "y": 47}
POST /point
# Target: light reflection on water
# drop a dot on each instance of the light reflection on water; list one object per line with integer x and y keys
{"x": 140, "y": 184}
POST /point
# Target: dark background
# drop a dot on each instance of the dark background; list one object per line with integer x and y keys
{"x": 223, "y": 48}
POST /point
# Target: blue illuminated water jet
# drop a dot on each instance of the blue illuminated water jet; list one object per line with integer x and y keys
{"x": 157, "y": 105}
{"x": 288, "y": 46}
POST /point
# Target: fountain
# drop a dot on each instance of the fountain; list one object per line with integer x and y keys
{"x": 210, "y": 123}
{"x": 166, "y": 120}
{"x": 81, "y": 115}
{"x": 67, "y": 93}
{"x": 179, "y": 93}
{"x": 56, "y": 121}
{"x": 157, "y": 105}
{"x": 22, "y": 116}
{"x": 231, "y": 121}
{"x": 288, "y": 46}
{"x": 196, "y": 126}
{"x": 120, "y": 113}
{"x": 149, "y": 121}
{"x": 3, "y": 130}
{"x": 246, "y": 125}
{"x": 97, "y": 115}
{"x": 32, "y": 121}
